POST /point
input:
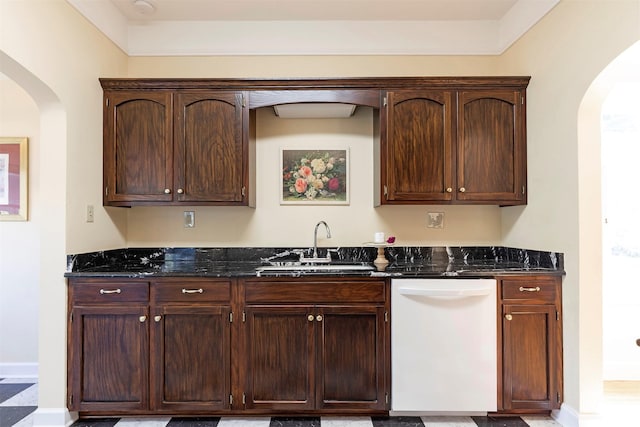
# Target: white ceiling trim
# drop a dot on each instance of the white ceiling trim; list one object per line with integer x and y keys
{"x": 210, "y": 38}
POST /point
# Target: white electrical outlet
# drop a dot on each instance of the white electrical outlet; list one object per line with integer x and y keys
{"x": 189, "y": 219}
{"x": 435, "y": 220}
{"x": 89, "y": 213}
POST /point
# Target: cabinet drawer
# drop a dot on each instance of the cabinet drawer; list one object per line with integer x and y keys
{"x": 535, "y": 289}
{"x": 191, "y": 291}
{"x": 314, "y": 291}
{"x": 109, "y": 292}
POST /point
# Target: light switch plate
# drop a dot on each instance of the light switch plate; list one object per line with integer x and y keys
{"x": 90, "y": 213}
{"x": 189, "y": 219}
{"x": 435, "y": 220}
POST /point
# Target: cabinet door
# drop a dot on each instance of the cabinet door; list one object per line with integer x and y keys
{"x": 191, "y": 354}
{"x": 109, "y": 358}
{"x": 418, "y": 146}
{"x": 350, "y": 359}
{"x": 530, "y": 371}
{"x": 491, "y": 162}
{"x": 280, "y": 356}
{"x": 138, "y": 151}
{"x": 210, "y": 147}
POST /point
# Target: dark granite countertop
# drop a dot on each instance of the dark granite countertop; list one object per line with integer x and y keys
{"x": 404, "y": 261}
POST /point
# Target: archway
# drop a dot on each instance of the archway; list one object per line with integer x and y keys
{"x": 52, "y": 231}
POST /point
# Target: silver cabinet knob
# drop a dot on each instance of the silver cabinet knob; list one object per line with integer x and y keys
{"x": 462, "y": 189}
{"x": 142, "y": 319}
{"x": 167, "y": 191}
{"x": 449, "y": 190}
{"x": 508, "y": 316}
{"x": 180, "y": 191}
{"x": 310, "y": 318}
{"x": 157, "y": 318}
{"x": 319, "y": 318}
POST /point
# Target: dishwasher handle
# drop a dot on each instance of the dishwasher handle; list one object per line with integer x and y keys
{"x": 443, "y": 292}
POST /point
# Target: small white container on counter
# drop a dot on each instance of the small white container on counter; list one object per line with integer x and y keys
{"x": 378, "y": 237}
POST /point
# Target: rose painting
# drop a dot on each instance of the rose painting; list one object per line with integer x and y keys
{"x": 315, "y": 177}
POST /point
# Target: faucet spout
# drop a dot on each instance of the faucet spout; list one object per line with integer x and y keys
{"x": 315, "y": 237}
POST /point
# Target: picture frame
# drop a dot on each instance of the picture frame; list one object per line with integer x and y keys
{"x": 314, "y": 176}
{"x": 13, "y": 178}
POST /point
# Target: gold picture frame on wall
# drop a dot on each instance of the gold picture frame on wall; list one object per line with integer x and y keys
{"x": 13, "y": 178}
{"x": 314, "y": 177}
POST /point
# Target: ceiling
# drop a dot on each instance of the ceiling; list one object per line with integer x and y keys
{"x": 313, "y": 27}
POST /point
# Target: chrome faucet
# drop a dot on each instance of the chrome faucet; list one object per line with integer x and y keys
{"x": 315, "y": 237}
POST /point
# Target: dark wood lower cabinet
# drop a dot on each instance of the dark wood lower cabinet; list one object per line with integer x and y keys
{"x": 531, "y": 344}
{"x": 189, "y": 346}
{"x": 196, "y": 347}
{"x": 190, "y": 358}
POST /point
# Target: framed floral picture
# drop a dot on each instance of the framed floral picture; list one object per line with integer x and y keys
{"x": 314, "y": 177}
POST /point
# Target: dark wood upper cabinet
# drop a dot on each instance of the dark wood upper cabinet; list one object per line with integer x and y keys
{"x": 437, "y": 140}
{"x": 452, "y": 146}
{"x": 491, "y": 160}
{"x": 171, "y": 147}
{"x": 138, "y": 147}
{"x": 418, "y": 151}
{"x": 209, "y": 147}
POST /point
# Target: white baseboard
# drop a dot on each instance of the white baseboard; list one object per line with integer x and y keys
{"x": 53, "y": 417}
{"x": 19, "y": 370}
{"x": 566, "y": 416}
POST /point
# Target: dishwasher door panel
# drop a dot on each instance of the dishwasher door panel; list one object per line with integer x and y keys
{"x": 444, "y": 345}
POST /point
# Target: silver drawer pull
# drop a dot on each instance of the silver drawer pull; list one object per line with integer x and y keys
{"x": 109, "y": 291}
{"x": 192, "y": 291}
{"x": 523, "y": 289}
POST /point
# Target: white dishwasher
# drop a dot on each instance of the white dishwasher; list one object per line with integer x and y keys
{"x": 443, "y": 346}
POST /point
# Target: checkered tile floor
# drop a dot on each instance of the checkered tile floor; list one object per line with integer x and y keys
{"x": 19, "y": 397}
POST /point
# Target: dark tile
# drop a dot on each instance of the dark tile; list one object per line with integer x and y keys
{"x": 295, "y": 422}
{"x": 194, "y": 422}
{"x": 9, "y": 415}
{"x": 499, "y": 422}
{"x": 10, "y": 390}
{"x": 397, "y": 422}
{"x": 95, "y": 422}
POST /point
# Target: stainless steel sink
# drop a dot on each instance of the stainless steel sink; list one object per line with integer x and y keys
{"x": 312, "y": 268}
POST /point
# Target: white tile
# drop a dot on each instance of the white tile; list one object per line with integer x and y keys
{"x": 244, "y": 422}
{"x": 448, "y": 422}
{"x": 25, "y": 422}
{"x": 540, "y": 421}
{"x": 146, "y": 422}
{"x": 27, "y": 397}
{"x": 346, "y": 422}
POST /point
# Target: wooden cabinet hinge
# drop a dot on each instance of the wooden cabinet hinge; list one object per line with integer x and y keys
{"x": 71, "y": 399}
{"x": 386, "y": 316}
{"x": 231, "y": 400}
{"x": 106, "y": 101}
{"x": 71, "y": 317}
{"x": 558, "y": 397}
{"x": 384, "y": 101}
{"x": 106, "y": 191}
{"x": 385, "y": 190}
{"x": 244, "y": 101}
{"x": 243, "y": 191}
{"x": 231, "y": 317}
{"x": 386, "y": 398}
{"x": 244, "y": 317}
{"x": 523, "y": 190}
{"x": 557, "y": 315}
